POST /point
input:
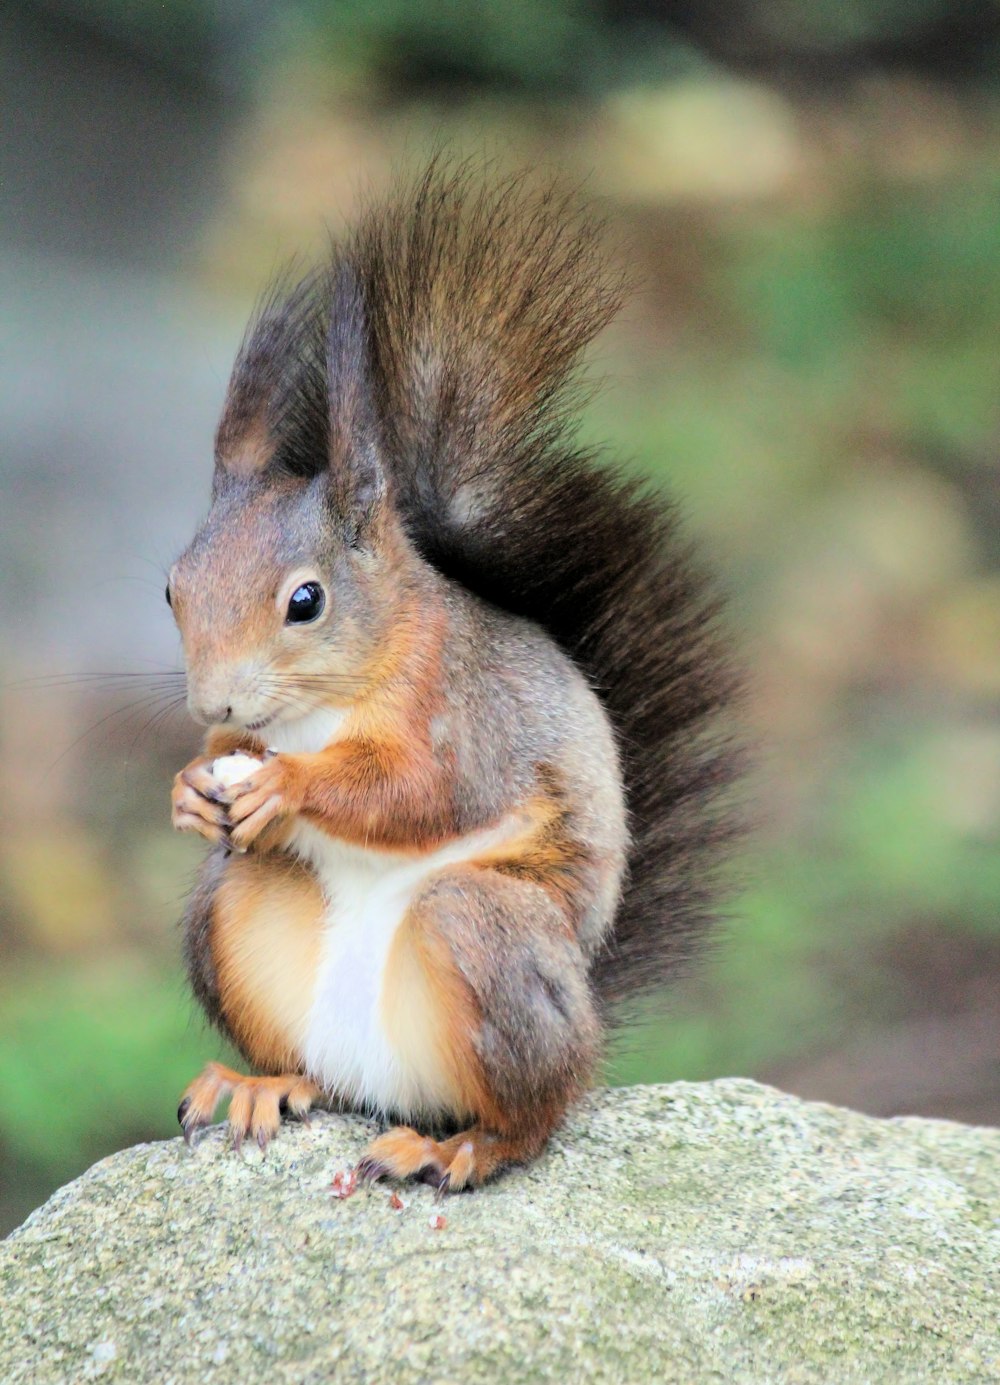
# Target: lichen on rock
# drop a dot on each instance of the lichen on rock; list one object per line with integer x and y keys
{"x": 715, "y": 1232}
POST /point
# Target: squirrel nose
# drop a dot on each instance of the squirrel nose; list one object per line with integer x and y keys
{"x": 211, "y": 716}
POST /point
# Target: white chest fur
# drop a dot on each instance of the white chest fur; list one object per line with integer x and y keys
{"x": 347, "y": 1048}
{"x": 310, "y": 733}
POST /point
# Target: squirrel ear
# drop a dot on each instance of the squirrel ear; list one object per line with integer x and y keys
{"x": 357, "y": 477}
{"x": 275, "y": 410}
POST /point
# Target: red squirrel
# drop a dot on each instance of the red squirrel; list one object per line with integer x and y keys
{"x": 482, "y": 677}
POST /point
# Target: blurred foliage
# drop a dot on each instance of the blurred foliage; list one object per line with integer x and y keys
{"x": 811, "y": 364}
{"x": 547, "y": 48}
{"x": 802, "y": 967}
{"x": 550, "y": 45}
{"x": 582, "y": 47}
{"x": 119, "y": 1019}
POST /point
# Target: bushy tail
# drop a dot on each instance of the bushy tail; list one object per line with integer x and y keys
{"x": 479, "y": 302}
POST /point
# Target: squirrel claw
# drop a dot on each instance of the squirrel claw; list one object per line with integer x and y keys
{"x": 189, "y": 1124}
{"x": 369, "y": 1171}
{"x": 191, "y": 1129}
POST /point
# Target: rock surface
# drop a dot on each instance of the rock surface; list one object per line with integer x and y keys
{"x": 719, "y": 1232}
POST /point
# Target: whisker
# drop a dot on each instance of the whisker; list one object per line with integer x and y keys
{"x": 59, "y": 680}
{"x": 159, "y": 715}
{"x": 306, "y": 678}
{"x": 129, "y": 577}
{"x": 150, "y": 562}
{"x": 158, "y": 663}
{"x": 130, "y": 707}
{"x": 284, "y": 701}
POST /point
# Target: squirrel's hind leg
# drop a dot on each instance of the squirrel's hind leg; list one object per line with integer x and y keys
{"x": 464, "y": 1161}
{"x": 516, "y": 1023}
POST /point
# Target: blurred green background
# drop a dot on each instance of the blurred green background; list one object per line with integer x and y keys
{"x": 809, "y": 198}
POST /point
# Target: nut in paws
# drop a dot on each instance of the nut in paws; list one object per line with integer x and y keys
{"x": 255, "y": 802}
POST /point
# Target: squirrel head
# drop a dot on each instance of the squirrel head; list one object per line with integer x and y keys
{"x": 292, "y": 584}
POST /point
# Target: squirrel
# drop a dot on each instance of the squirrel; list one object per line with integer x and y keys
{"x": 477, "y": 679}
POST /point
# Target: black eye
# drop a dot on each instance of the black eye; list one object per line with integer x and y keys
{"x": 167, "y": 595}
{"x": 306, "y": 603}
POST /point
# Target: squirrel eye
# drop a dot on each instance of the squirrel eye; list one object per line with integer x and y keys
{"x": 306, "y": 603}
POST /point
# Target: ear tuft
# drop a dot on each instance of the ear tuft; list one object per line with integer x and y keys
{"x": 275, "y": 414}
{"x": 357, "y": 477}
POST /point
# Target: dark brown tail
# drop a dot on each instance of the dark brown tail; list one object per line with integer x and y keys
{"x": 479, "y": 303}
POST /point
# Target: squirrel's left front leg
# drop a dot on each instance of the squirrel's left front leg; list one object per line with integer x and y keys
{"x": 374, "y": 793}
{"x": 515, "y": 1023}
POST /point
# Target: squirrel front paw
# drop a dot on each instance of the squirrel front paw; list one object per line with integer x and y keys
{"x": 195, "y": 806}
{"x": 255, "y": 802}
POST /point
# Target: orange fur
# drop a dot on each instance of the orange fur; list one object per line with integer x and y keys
{"x": 420, "y": 1007}
{"x": 428, "y": 1011}
{"x": 265, "y": 943}
{"x": 387, "y": 792}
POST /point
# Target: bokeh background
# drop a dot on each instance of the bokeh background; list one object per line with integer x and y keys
{"x": 809, "y": 197}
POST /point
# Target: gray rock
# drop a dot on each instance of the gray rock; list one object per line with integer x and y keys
{"x": 719, "y": 1232}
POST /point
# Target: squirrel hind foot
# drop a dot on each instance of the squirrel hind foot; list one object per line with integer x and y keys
{"x": 464, "y": 1161}
{"x": 256, "y": 1104}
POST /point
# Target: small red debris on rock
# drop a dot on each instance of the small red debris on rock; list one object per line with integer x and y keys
{"x": 396, "y": 1203}
{"x": 437, "y": 1222}
{"x": 344, "y": 1183}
